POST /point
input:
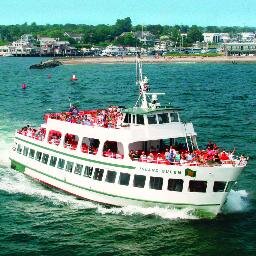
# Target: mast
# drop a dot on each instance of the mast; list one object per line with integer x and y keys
{"x": 143, "y": 83}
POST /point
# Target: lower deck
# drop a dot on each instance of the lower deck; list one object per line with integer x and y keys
{"x": 121, "y": 184}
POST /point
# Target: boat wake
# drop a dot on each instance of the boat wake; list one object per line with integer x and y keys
{"x": 237, "y": 201}
{"x": 14, "y": 182}
{"x": 164, "y": 213}
{"x": 5, "y": 146}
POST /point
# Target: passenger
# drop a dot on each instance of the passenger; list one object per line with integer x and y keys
{"x": 150, "y": 158}
{"x": 231, "y": 154}
{"x": 131, "y": 154}
{"x": 90, "y": 151}
{"x": 166, "y": 154}
{"x": 172, "y": 150}
{"x": 223, "y": 156}
{"x": 171, "y": 156}
{"x": 209, "y": 145}
{"x": 143, "y": 157}
{"x": 136, "y": 155}
{"x": 189, "y": 157}
{"x": 159, "y": 158}
{"x": 177, "y": 157}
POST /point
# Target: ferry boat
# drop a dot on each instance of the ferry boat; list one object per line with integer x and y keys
{"x": 141, "y": 156}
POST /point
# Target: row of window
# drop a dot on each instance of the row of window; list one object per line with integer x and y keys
{"x": 162, "y": 118}
{"x": 123, "y": 178}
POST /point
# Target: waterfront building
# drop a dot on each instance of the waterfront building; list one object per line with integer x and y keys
{"x": 239, "y": 49}
{"x": 5, "y": 51}
{"x": 113, "y": 50}
{"x": 247, "y": 36}
{"x": 145, "y": 37}
{"x": 76, "y": 37}
{"x": 216, "y": 37}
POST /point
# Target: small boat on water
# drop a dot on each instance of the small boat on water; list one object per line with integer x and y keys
{"x": 142, "y": 156}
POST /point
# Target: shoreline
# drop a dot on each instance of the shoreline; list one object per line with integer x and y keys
{"x": 153, "y": 59}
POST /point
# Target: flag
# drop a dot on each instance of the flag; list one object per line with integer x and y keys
{"x": 189, "y": 172}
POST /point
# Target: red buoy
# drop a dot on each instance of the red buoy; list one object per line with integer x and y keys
{"x": 24, "y": 86}
{"x": 74, "y": 78}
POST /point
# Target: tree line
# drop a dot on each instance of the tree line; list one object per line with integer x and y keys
{"x": 103, "y": 34}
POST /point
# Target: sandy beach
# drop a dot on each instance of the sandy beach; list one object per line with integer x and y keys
{"x": 152, "y": 59}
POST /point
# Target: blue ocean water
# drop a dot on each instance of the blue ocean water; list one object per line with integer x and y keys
{"x": 34, "y": 220}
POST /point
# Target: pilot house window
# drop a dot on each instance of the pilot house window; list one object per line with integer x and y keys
{"x": 174, "y": 117}
{"x": 140, "y": 119}
{"x": 163, "y": 118}
{"x": 152, "y": 119}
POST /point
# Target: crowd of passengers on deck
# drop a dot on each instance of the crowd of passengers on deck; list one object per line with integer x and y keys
{"x": 108, "y": 118}
{"x": 37, "y": 134}
{"x": 177, "y": 154}
{"x": 212, "y": 155}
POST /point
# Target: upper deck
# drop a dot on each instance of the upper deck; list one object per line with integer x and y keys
{"x": 133, "y": 123}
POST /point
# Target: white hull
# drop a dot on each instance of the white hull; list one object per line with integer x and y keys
{"x": 119, "y": 195}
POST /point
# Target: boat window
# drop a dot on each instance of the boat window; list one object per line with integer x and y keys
{"x": 127, "y": 118}
{"x": 111, "y": 177}
{"x": 32, "y": 153}
{"x": 124, "y": 179}
{"x": 219, "y": 186}
{"x": 90, "y": 145}
{"x": 175, "y": 185}
{"x": 70, "y": 141}
{"x": 163, "y": 118}
{"x": 197, "y": 186}
{"x": 19, "y": 149}
{"x": 229, "y": 186}
{"x": 113, "y": 149}
{"x": 78, "y": 169}
{"x": 174, "y": 117}
{"x": 88, "y": 171}
{"x": 140, "y": 119}
{"x": 152, "y": 119}
{"x": 98, "y": 174}
{"x": 45, "y": 158}
{"x": 61, "y": 163}
{"x": 38, "y": 156}
{"x": 156, "y": 183}
{"x": 53, "y": 161}
{"x": 25, "y": 151}
{"x": 139, "y": 181}
{"x": 54, "y": 137}
{"x": 69, "y": 166}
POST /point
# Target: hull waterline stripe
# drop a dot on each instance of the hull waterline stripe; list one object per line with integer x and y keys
{"x": 98, "y": 192}
{"x": 78, "y": 157}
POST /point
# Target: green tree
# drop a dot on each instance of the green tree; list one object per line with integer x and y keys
{"x": 127, "y": 39}
{"x": 123, "y": 25}
{"x": 194, "y": 35}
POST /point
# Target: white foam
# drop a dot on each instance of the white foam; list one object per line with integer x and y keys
{"x": 236, "y": 202}
{"x": 5, "y": 146}
{"x": 14, "y": 182}
{"x": 165, "y": 213}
